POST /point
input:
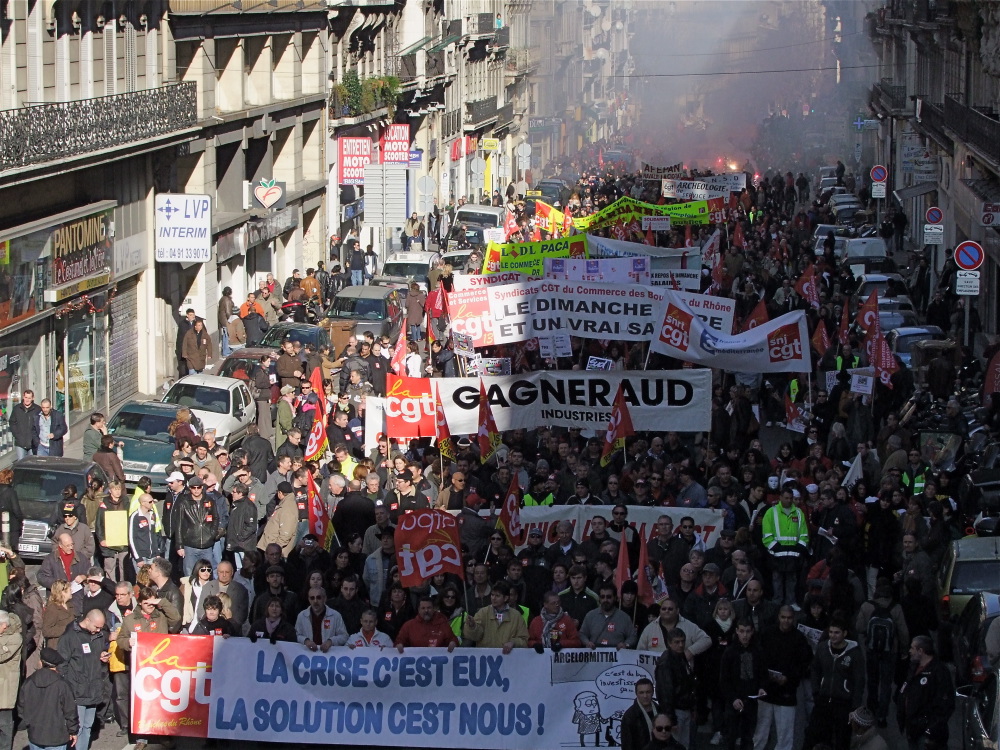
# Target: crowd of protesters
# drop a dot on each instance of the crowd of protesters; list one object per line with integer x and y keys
{"x": 814, "y": 611}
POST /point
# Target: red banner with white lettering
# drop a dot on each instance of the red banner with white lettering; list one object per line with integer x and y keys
{"x": 409, "y": 407}
{"x": 427, "y": 544}
{"x": 171, "y": 675}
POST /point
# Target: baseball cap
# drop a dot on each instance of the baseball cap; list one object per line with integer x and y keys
{"x": 728, "y": 533}
{"x": 175, "y": 476}
{"x": 535, "y": 532}
{"x": 811, "y": 488}
{"x": 69, "y": 509}
{"x": 711, "y": 568}
{"x": 406, "y": 475}
{"x": 286, "y": 389}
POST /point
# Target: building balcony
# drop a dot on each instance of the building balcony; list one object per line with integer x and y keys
{"x": 932, "y": 122}
{"x": 505, "y": 115}
{"x": 976, "y": 126}
{"x": 890, "y": 96}
{"x": 354, "y": 100}
{"x": 501, "y": 37}
{"x": 519, "y": 63}
{"x": 482, "y": 23}
{"x": 49, "y": 132}
{"x": 479, "y": 113}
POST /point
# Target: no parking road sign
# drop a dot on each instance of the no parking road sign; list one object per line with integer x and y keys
{"x": 934, "y": 215}
{"x": 969, "y": 255}
{"x": 879, "y": 173}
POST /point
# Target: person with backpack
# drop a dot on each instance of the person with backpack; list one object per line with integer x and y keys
{"x": 882, "y": 629}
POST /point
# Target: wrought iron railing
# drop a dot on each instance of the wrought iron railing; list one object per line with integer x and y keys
{"x": 480, "y": 111}
{"x": 485, "y": 23}
{"x": 505, "y": 115}
{"x": 973, "y": 125}
{"x": 518, "y": 60}
{"x": 891, "y": 96}
{"x": 59, "y": 130}
{"x": 933, "y": 122}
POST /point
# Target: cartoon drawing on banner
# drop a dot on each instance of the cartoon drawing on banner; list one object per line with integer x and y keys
{"x": 603, "y": 706}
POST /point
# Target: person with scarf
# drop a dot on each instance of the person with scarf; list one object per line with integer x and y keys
{"x": 552, "y": 628}
{"x": 721, "y": 628}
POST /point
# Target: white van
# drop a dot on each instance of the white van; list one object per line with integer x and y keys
{"x": 480, "y": 216}
{"x": 865, "y": 247}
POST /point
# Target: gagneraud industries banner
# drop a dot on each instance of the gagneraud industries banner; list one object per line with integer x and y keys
{"x": 781, "y": 345}
{"x": 661, "y": 400}
{"x": 232, "y": 688}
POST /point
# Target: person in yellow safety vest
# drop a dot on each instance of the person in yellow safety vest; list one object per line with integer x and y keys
{"x": 914, "y": 475}
{"x": 786, "y": 537}
{"x": 793, "y": 389}
{"x": 141, "y": 488}
{"x": 848, "y": 359}
{"x": 538, "y": 495}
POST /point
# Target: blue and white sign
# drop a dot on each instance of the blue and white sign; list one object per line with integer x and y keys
{"x": 416, "y": 157}
{"x": 183, "y": 227}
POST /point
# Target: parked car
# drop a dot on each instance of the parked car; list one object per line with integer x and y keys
{"x": 374, "y": 309}
{"x": 968, "y": 638}
{"x": 404, "y": 268}
{"x": 896, "y": 312}
{"x": 978, "y": 708}
{"x": 843, "y": 199}
{"x": 464, "y": 241}
{"x": 40, "y": 481}
{"x": 879, "y": 282}
{"x": 222, "y": 404}
{"x": 971, "y": 566}
{"x": 838, "y": 231}
{"x": 901, "y": 340}
{"x": 143, "y": 427}
{"x": 457, "y": 259}
{"x": 305, "y": 333}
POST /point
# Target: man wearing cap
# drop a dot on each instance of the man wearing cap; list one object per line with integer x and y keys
{"x": 84, "y": 649}
{"x": 63, "y": 563}
{"x": 785, "y": 534}
{"x": 83, "y": 535}
{"x": 197, "y": 526}
{"x": 282, "y": 526}
{"x": 203, "y": 458}
{"x": 47, "y": 707}
{"x": 406, "y": 498}
{"x": 864, "y": 733}
{"x": 700, "y": 604}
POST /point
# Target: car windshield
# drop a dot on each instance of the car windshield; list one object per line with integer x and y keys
{"x": 238, "y": 367}
{"x": 401, "y": 268}
{"x": 357, "y": 307}
{"x": 969, "y": 576}
{"x": 275, "y": 336}
{"x": 42, "y": 484}
{"x": 475, "y": 217}
{"x": 135, "y": 424}
{"x": 905, "y": 343}
{"x": 202, "y": 397}
{"x": 457, "y": 260}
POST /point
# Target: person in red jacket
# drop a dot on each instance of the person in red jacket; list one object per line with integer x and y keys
{"x": 553, "y": 628}
{"x": 429, "y": 629}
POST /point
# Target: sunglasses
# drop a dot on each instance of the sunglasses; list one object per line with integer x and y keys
{"x": 204, "y": 570}
{"x": 661, "y": 728}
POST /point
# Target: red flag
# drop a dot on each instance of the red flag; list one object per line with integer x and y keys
{"x": 427, "y": 544}
{"x": 885, "y": 362}
{"x": 650, "y": 240}
{"x": 510, "y": 514}
{"x": 489, "y": 435}
{"x": 441, "y": 431}
{"x": 843, "y": 333}
{"x": 319, "y": 515}
{"x": 397, "y": 362}
{"x": 618, "y": 230}
{"x": 619, "y": 428}
{"x": 509, "y": 223}
{"x": 622, "y": 572}
{"x": 820, "y": 340}
{"x": 317, "y": 442}
{"x": 688, "y": 242}
{"x": 756, "y": 318}
{"x": 600, "y": 158}
{"x": 431, "y": 338}
{"x": 793, "y": 416}
{"x": 644, "y": 573}
{"x": 867, "y": 315}
{"x": 805, "y": 287}
{"x": 738, "y": 240}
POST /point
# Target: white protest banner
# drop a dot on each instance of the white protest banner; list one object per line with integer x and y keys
{"x": 688, "y": 279}
{"x": 374, "y": 422}
{"x": 734, "y": 181}
{"x": 600, "y": 363}
{"x": 716, "y": 312}
{"x": 605, "y": 270}
{"x": 692, "y": 190}
{"x": 555, "y": 345}
{"x": 674, "y": 267}
{"x": 649, "y": 172}
{"x": 780, "y": 345}
{"x": 494, "y": 234}
{"x": 581, "y": 308}
{"x": 656, "y": 223}
{"x": 661, "y": 400}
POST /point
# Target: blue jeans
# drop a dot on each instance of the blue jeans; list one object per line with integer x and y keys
{"x": 33, "y": 746}
{"x": 42, "y": 450}
{"x": 357, "y": 277}
{"x": 415, "y": 332}
{"x": 21, "y": 452}
{"x": 86, "y": 715}
{"x": 784, "y": 586}
{"x": 193, "y": 554}
{"x": 192, "y": 371}
{"x": 224, "y": 342}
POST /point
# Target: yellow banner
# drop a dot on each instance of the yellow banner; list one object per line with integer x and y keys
{"x": 529, "y": 257}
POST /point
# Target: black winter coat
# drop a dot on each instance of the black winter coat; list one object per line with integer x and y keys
{"x": 83, "y": 669}
{"x": 48, "y": 709}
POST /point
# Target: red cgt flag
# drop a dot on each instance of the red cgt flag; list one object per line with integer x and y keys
{"x": 820, "y": 340}
{"x": 622, "y": 571}
{"x": 867, "y": 315}
{"x": 489, "y": 435}
{"x": 805, "y": 287}
{"x": 509, "y": 223}
{"x": 756, "y": 318}
{"x": 619, "y": 428}
{"x": 427, "y": 544}
{"x": 510, "y": 515}
{"x": 445, "y": 445}
{"x": 317, "y": 442}
{"x": 399, "y": 354}
{"x": 319, "y": 515}
{"x": 843, "y": 333}
{"x": 644, "y": 574}
{"x": 885, "y": 362}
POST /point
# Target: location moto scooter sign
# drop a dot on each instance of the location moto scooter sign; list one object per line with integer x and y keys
{"x": 969, "y": 255}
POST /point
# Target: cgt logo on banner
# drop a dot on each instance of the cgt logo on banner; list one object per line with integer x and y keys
{"x": 780, "y": 345}
{"x": 428, "y": 544}
{"x": 171, "y": 675}
{"x": 409, "y": 407}
{"x": 676, "y": 329}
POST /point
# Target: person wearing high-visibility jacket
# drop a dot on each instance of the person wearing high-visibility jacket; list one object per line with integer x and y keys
{"x": 786, "y": 536}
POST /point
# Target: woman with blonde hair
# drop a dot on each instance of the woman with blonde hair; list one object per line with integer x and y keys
{"x": 181, "y": 427}
{"x": 57, "y": 615}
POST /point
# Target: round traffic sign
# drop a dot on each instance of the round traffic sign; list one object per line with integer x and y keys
{"x": 934, "y": 215}
{"x": 523, "y": 150}
{"x": 969, "y": 255}
{"x": 477, "y": 165}
{"x": 879, "y": 173}
{"x": 426, "y": 185}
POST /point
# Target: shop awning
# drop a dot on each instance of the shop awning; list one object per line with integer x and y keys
{"x": 921, "y": 188}
{"x": 445, "y": 42}
{"x": 414, "y": 48}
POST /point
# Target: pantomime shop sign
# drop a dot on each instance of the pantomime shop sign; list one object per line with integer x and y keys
{"x": 81, "y": 255}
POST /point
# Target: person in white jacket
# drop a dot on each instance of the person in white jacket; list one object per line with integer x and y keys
{"x": 368, "y": 636}
{"x": 653, "y": 637}
{"x": 319, "y": 621}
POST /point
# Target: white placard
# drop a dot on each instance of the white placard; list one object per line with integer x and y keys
{"x": 862, "y": 384}
{"x": 183, "y": 225}
{"x": 600, "y": 363}
{"x": 933, "y": 234}
{"x": 656, "y": 223}
{"x": 878, "y": 190}
{"x": 967, "y": 283}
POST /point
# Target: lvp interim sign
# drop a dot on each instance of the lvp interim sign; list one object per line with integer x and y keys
{"x": 183, "y": 228}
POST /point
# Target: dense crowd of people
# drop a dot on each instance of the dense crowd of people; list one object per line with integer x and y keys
{"x": 814, "y": 611}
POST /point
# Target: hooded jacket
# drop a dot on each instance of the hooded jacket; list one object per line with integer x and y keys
{"x": 44, "y": 697}
{"x": 839, "y": 676}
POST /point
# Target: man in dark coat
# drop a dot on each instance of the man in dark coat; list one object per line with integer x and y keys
{"x": 84, "y": 648}
{"x": 50, "y": 429}
{"x": 22, "y": 422}
{"x": 637, "y": 722}
{"x": 46, "y": 705}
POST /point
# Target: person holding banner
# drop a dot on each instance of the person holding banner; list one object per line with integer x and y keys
{"x": 319, "y": 627}
{"x": 497, "y": 625}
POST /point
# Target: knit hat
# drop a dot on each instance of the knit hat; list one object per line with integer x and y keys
{"x": 863, "y": 717}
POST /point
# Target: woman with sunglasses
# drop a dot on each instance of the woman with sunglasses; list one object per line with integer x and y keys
{"x": 191, "y": 591}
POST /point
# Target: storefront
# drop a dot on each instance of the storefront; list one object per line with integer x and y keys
{"x": 56, "y": 292}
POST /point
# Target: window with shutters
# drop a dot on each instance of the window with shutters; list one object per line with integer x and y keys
{"x": 110, "y": 59}
{"x": 131, "y": 59}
